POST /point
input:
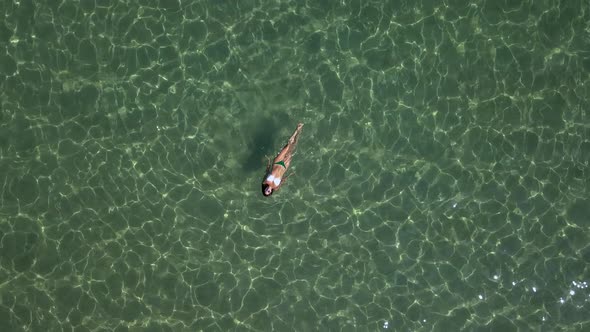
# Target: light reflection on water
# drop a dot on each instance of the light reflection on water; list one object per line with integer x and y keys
{"x": 577, "y": 294}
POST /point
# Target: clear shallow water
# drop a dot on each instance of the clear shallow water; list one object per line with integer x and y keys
{"x": 441, "y": 179}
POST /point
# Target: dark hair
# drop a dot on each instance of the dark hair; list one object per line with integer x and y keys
{"x": 264, "y": 186}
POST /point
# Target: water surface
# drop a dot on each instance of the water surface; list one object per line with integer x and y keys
{"x": 441, "y": 181}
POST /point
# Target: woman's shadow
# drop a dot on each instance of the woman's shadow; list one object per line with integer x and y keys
{"x": 261, "y": 145}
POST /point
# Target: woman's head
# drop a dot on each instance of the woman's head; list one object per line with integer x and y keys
{"x": 266, "y": 190}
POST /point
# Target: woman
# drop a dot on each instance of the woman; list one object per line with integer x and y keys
{"x": 275, "y": 172}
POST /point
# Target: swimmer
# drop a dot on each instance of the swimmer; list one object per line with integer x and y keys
{"x": 275, "y": 172}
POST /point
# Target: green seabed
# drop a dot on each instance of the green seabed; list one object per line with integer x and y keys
{"x": 441, "y": 180}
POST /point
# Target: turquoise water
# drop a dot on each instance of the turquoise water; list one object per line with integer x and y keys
{"x": 441, "y": 180}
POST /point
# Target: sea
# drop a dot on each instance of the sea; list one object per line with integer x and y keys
{"x": 441, "y": 181}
